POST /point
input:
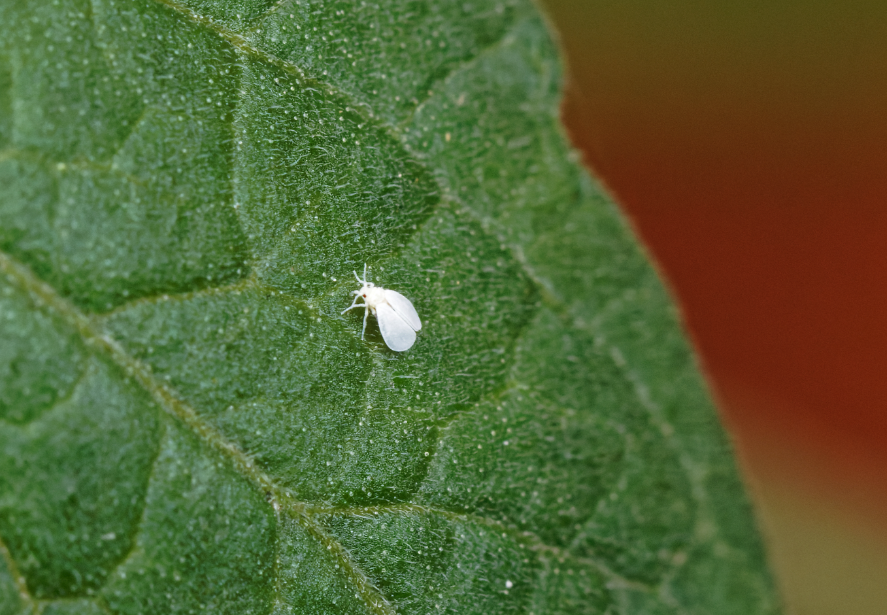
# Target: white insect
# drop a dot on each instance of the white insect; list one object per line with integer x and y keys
{"x": 398, "y": 319}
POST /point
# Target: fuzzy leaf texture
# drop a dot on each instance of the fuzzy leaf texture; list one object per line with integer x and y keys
{"x": 189, "y": 425}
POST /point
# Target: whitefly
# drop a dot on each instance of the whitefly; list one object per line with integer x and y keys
{"x": 398, "y": 319}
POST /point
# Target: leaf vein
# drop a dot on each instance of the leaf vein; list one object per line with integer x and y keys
{"x": 17, "y": 577}
{"x": 137, "y": 527}
{"x": 536, "y": 543}
{"x": 460, "y": 66}
{"x": 84, "y": 370}
{"x": 249, "y": 283}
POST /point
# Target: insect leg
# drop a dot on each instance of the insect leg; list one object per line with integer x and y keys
{"x": 353, "y": 305}
{"x": 366, "y": 313}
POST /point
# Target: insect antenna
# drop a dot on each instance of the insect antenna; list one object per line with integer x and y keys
{"x": 364, "y": 280}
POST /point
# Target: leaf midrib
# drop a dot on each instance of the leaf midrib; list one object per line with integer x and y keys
{"x": 17, "y": 577}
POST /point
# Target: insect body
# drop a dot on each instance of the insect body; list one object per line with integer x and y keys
{"x": 398, "y": 319}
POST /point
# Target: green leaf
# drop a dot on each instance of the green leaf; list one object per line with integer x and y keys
{"x": 189, "y": 424}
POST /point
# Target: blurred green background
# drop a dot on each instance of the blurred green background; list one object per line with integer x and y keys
{"x": 747, "y": 141}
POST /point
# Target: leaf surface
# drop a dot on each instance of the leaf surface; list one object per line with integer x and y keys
{"x": 187, "y": 421}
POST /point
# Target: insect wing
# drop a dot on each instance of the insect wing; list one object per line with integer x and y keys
{"x": 397, "y": 333}
{"x": 404, "y": 308}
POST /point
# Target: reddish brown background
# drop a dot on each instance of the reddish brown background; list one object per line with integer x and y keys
{"x": 747, "y": 141}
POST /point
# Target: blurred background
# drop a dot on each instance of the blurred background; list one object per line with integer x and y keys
{"x": 747, "y": 142}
